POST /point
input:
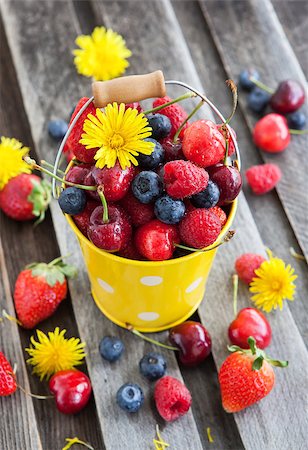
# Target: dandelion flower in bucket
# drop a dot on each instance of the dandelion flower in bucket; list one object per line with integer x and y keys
{"x": 102, "y": 55}
{"x": 53, "y": 352}
{"x": 12, "y": 163}
{"x": 274, "y": 283}
{"x": 119, "y": 134}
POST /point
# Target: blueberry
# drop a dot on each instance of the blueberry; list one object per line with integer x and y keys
{"x": 161, "y": 125}
{"x": 72, "y": 200}
{"x": 297, "y": 120}
{"x": 168, "y": 210}
{"x": 153, "y": 366}
{"x": 147, "y": 186}
{"x": 130, "y": 397}
{"x": 207, "y": 198}
{"x": 57, "y": 128}
{"x": 244, "y": 79}
{"x": 152, "y": 161}
{"x": 111, "y": 348}
{"x": 258, "y": 99}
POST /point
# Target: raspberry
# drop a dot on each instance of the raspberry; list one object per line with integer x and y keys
{"x": 72, "y": 143}
{"x": 135, "y": 105}
{"x": 246, "y": 264}
{"x": 263, "y": 178}
{"x": 183, "y": 179}
{"x": 199, "y": 228}
{"x": 140, "y": 213}
{"x": 203, "y": 144}
{"x": 175, "y": 112}
{"x": 172, "y": 398}
{"x": 222, "y": 216}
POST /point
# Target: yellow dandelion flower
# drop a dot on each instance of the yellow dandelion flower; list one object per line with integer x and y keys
{"x": 273, "y": 284}
{"x": 118, "y": 134}
{"x": 54, "y": 352}
{"x": 102, "y": 55}
{"x": 12, "y": 164}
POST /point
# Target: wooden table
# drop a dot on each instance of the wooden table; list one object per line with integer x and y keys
{"x": 202, "y": 43}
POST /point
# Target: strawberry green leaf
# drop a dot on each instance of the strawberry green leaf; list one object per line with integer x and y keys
{"x": 40, "y": 197}
{"x": 257, "y": 364}
{"x": 68, "y": 270}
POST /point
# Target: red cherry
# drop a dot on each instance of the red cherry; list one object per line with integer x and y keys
{"x": 229, "y": 181}
{"x": 173, "y": 150}
{"x": 116, "y": 181}
{"x": 139, "y": 213}
{"x": 77, "y": 174}
{"x": 250, "y": 322}
{"x": 82, "y": 220}
{"x": 113, "y": 235}
{"x": 288, "y": 97}
{"x": 193, "y": 340}
{"x": 271, "y": 133}
{"x": 203, "y": 143}
{"x": 72, "y": 390}
{"x": 155, "y": 240}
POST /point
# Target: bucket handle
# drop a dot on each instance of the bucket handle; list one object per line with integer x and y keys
{"x": 134, "y": 88}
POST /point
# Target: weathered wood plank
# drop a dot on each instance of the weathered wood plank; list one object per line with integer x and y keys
{"x": 276, "y": 61}
{"x": 293, "y": 16}
{"x": 59, "y": 94}
{"x": 18, "y": 408}
{"x": 267, "y": 210}
{"x": 22, "y": 244}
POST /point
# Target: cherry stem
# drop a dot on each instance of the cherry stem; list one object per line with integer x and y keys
{"x": 296, "y": 255}
{"x": 39, "y": 397}
{"x": 291, "y": 131}
{"x": 176, "y": 100}
{"x": 11, "y": 318}
{"x": 226, "y": 152}
{"x": 152, "y": 341}
{"x": 34, "y": 165}
{"x": 232, "y": 86}
{"x": 235, "y": 290}
{"x": 227, "y": 238}
{"x": 47, "y": 164}
{"x": 186, "y": 120}
{"x": 262, "y": 85}
{"x": 100, "y": 191}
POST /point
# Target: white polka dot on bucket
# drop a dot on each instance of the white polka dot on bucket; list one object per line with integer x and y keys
{"x": 148, "y": 316}
{"x": 193, "y": 285}
{"x": 105, "y": 286}
{"x": 151, "y": 281}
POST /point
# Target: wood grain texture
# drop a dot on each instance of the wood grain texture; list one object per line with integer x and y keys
{"x": 252, "y": 23}
{"x": 42, "y": 76}
{"x": 268, "y": 213}
{"x": 293, "y": 16}
{"x": 18, "y": 408}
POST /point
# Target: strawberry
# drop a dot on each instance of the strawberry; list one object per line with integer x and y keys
{"x": 7, "y": 378}
{"x": 246, "y": 377}
{"x": 39, "y": 289}
{"x": 175, "y": 113}
{"x": 72, "y": 143}
{"x": 199, "y": 228}
{"x": 25, "y": 197}
{"x": 183, "y": 179}
{"x": 203, "y": 143}
{"x": 263, "y": 177}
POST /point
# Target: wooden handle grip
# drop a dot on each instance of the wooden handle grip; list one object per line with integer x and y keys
{"x": 129, "y": 89}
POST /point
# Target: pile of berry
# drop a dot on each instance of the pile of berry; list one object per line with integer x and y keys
{"x": 175, "y": 195}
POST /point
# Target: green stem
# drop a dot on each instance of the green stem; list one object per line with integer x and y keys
{"x": 100, "y": 192}
{"x": 47, "y": 164}
{"x": 262, "y": 86}
{"x": 56, "y": 260}
{"x": 227, "y": 238}
{"x": 235, "y": 289}
{"x": 178, "y": 99}
{"x": 232, "y": 86}
{"x": 152, "y": 341}
{"x": 34, "y": 165}
{"x": 186, "y": 120}
{"x": 298, "y": 131}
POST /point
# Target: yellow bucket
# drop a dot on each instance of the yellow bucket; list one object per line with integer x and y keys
{"x": 149, "y": 295}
